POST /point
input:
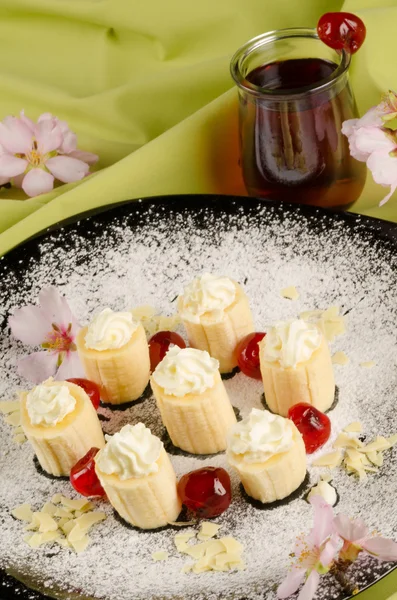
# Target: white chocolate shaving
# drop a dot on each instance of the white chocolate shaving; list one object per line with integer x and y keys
{"x": 160, "y": 555}
{"x": 9, "y": 406}
{"x": 340, "y": 358}
{"x": 354, "y": 427}
{"x": 291, "y": 293}
{"x": 331, "y": 460}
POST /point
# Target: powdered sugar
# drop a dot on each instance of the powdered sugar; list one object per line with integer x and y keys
{"x": 146, "y": 257}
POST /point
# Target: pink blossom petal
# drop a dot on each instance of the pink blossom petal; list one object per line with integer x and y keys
{"x": 56, "y": 307}
{"x": 330, "y": 550}
{"x": 323, "y": 519}
{"x": 382, "y": 548}
{"x": 351, "y": 530}
{"x": 349, "y": 126}
{"x": 70, "y": 367}
{"x": 371, "y": 139}
{"x": 30, "y": 325}
{"x": 37, "y": 181}
{"x": 48, "y": 136}
{"x": 291, "y": 583}
{"x": 4, "y": 180}
{"x": 87, "y": 157}
{"x": 38, "y": 367}
{"x": 69, "y": 143}
{"x": 373, "y": 116}
{"x": 389, "y": 195}
{"x": 45, "y": 117}
{"x": 310, "y": 587}
{"x": 67, "y": 169}
{"x": 15, "y": 136}
{"x": 28, "y": 122}
{"x": 383, "y": 167}
{"x": 10, "y": 166}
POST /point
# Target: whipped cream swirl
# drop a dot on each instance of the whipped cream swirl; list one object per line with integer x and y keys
{"x": 291, "y": 342}
{"x": 259, "y": 436}
{"x": 132, "y": 452}
{"x": 206, "y": 294}
{"x": 110, "y": 330}
{"x": 185, "y": 371}
{"x": 49, "y": 404}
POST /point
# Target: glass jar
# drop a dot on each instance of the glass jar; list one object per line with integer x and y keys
{"x": 294, "y": 95}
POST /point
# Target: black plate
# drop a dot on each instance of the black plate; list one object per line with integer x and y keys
{"x": 203, "y": 212}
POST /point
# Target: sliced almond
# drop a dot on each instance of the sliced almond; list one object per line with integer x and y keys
{"x": 23, "y": 512}
{"x": 57, "y": 499}
{"x": 50, "y": 536}
{"x": 35, "y": 540}
{"x": 62, "y": 513}
{"x": 208, "y": 530}
{"x": 76, "y": 534}
{"x": 9, "y": 406}
{"x": 379, "y": 444}
{"x": 87, "y": 520}
{"x": 45, "y": 522}
{"x": 376, "y": 458}
{"x": 331, "y": 460}
{"x": 81, "y": 544}
{"x": 346, "y": 441}
{"x": 13, "y": 418}
{"x": 291, "y": 293}
{"x": 215, "y": 548}
{"x": 20, "y": 438}
{"x": 49, "y": 508}
{"x": 231, "y": 545}
{"x": 67, "y": 528}
{"x": 392, "y": 440}
{"x": 160, "y": 555}
{"x": 80, "y": 504}
{"x": 355, "y": 427}
{"x": 340, "y": 358}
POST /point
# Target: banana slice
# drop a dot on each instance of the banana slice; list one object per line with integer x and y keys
{"x": 58, "y": 447}
{"x": 193, "y": 401}
{"x": 307, "y": 375}
{"x": 138, "y": 478}
{"x": 219, "y": 320}
{"x": 269, "y": 455}
{"x": 122, "y": 373}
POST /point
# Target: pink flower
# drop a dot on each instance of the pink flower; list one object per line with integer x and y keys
{"x": 314, "y": 553}
{"x": 52, "y": 326}
{"x": 37, "y": 153}
{"x": 371, "y": 143}
{"x": 356, "y": 538}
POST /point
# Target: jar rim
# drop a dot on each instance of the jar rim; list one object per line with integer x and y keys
{"x": 249, "y": 47}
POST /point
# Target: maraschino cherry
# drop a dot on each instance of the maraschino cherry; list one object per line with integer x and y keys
{"x": 90, "y": 388}
{"x": 83, "y": 477}
{"x": 206, "y": 492}
{"x": 341, "y": 31}
{"x": 314, "y": 425}
{"x": 247, "y": 354}
{"x": 159, "y": 344}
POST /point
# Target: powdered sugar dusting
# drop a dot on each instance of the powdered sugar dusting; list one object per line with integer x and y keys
{"x": 145, "y": 255}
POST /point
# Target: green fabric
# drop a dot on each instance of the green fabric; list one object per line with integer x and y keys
{"x": 146, "y": 86}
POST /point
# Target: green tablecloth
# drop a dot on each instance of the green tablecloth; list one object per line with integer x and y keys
{"x": 146, "y": 86}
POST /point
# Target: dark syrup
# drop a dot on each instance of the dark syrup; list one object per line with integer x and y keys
{"x": 295, "y": 151}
